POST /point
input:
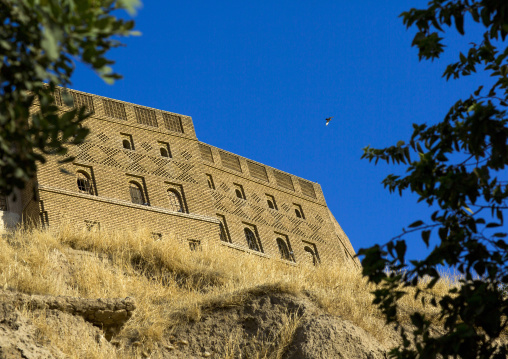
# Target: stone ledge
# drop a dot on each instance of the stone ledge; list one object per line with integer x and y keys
{"x": 128, "y": 204}
{"x": 108, "y": 314}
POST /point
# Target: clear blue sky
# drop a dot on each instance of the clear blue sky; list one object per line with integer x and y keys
{"x": 259, "y": 78}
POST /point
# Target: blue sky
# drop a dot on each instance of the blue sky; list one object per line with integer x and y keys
{"x": 259, "y": 78}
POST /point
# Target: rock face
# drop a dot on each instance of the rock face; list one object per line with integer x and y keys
{"x": 107, "y": 314}
{"x": 18, "y": 338}
{"x": 324, "y": 337}
{"x": 244, "y": 331}
{"x": 248, "y": 326}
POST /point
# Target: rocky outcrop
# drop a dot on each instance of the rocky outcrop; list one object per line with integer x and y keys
{"x": 242, "y": 330}
{"x": 18, "y": 337}
{"x": 108, "y": 314}
{"x": 324, "y": 337}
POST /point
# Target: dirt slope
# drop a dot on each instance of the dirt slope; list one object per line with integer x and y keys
{"x": 247, "y": 330}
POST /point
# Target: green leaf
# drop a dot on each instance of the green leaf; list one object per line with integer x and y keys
{"x": 416, "y": 224}
{"x": 426, "y": 237}
{"x": 49, "y": 44}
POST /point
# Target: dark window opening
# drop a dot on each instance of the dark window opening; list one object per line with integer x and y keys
{"x": 136, "y": 192}
{"x": 92, "y": 225}
{"x": 194, "y": 245}
{"x": 84, "y": 183}
{"x": 165, "y": 150}
{"x": 239, "y": 191}
{"x": 224, "y": 232}
{"x": 298, "y": 211}
{"x": 209, "y": 179}
{"x": 313, "y": 254}
{"x": 127, "y": 141}
{"x": 270, "y": 200}
{"x": 285, "y": 253}
{"x": 175, "y": 202}
{"x": 156, "y": 236}
{"x": 223, "y": 236}
{"x": 251, "y": 239}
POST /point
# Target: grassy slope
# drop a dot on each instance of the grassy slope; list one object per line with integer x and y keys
{"x": 172, "y": 284}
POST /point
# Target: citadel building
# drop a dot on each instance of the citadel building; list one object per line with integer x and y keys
{"x": 145, "y": 167}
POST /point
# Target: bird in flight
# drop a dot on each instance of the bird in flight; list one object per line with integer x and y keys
{"x": 328, "y": 120}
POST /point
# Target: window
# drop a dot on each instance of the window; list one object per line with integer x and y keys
{"x": 176, "y": 198}
{"x": 127, "y": 141}
{"x": 43, "y": 214}
{"x": 164, "y": 149}
{"x": 3, "y": 202}
{"x": 92, "y": 225}
{"x": 312, "y": 253}
{"x": 84, "y": 182}
{"x": 270, "y": 200}
{"x": 252, "y": 239}
{"x": 175, "y": 202}
{"x": 239, "y": 191}
{"x": 285, "y": 250}
{"x": 156, "y": 236}
{"x": 209, "y": 178}
{"x": 136, "y": 191}
{"x": 194, "y": 245}
{"x": 224, "y": 231}
{"x": 298, "y": 211}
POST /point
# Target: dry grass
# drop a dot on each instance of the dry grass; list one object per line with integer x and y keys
{"x": 172, "y": 284}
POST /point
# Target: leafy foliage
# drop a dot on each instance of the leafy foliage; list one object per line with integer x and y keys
{"x": 39, "y": 42}
{"x": 459, "y": 166}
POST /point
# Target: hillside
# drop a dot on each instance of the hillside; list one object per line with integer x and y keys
{"x": 97, "y": 294}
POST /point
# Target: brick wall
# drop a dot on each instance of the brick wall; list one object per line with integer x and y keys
{"x": 158, "y": 152}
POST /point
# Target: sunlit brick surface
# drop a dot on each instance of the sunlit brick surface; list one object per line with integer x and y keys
{"x": 189, "y": 168}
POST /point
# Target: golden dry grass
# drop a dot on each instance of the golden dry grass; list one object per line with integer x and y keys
{"x": 172, "y": 284}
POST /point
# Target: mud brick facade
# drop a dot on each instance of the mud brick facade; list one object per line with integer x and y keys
{"x": 145, "y": 167}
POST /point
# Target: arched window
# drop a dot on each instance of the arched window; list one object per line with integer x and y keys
{"x": 283, "y": 249}
{"x": 84, "y": 183}
{"x": 209, "y": 178}
{"x": 315, "y": 259}
{"x": 164, "y": 149}
{"x": 136, "y": 191}
{"x": 270, "y": 200}
{"x": 239, "y": 191}
{"x": 298, "y": 211}
{"x": 175, "y": 202}
{"x": 224, "y": 233}
{"x": 251, "y": 239}
{"x": 126, "y": 144}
